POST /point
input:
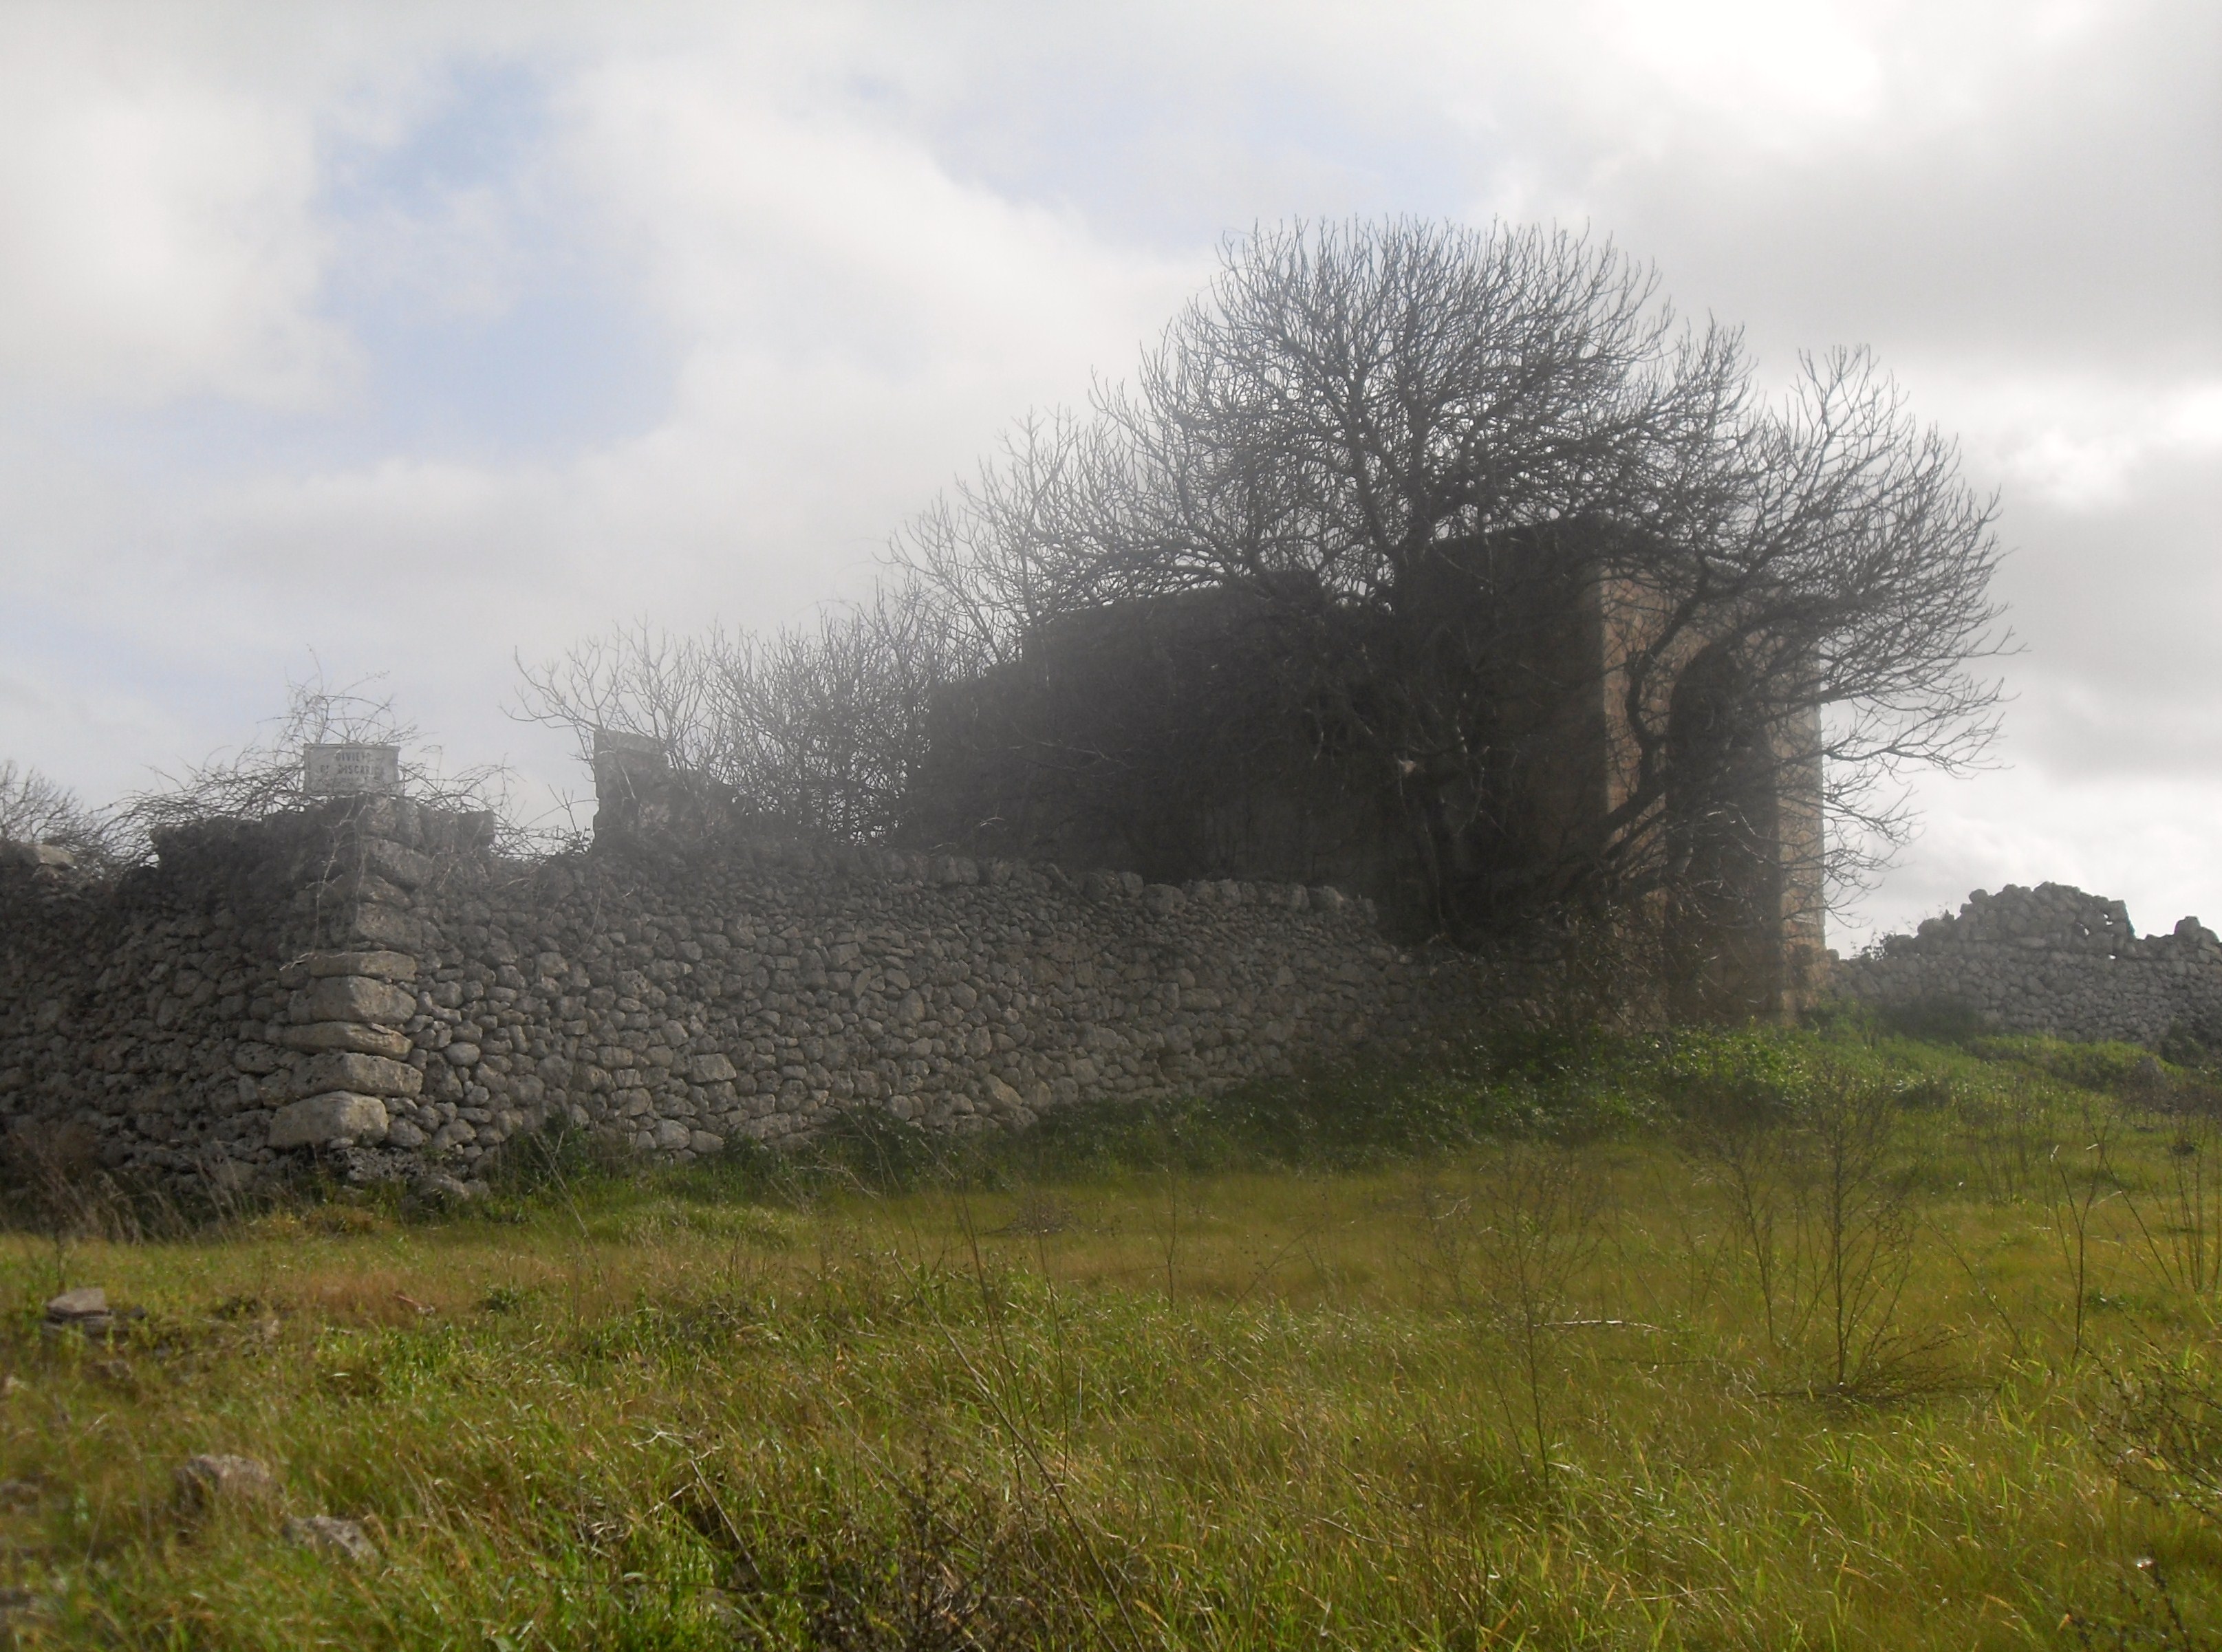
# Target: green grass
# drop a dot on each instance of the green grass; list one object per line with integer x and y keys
{"x": 1474, "y": 1358}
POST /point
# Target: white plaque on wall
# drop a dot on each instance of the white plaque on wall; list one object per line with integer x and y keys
{"x": 331, "y": 771}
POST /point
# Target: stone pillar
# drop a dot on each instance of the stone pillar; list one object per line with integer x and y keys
{"x": 351, "y": 992}
{"x": 344, "y": 1020}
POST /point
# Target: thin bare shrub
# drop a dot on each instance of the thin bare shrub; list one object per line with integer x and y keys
{"x": 2178, "y": 1213}
{"x": 2001, "y": 1136}
{"x": 2079, "y": 1181}
{"x": 264, "y": 777}
{"x": 1742, "y": 1147}
{"x": 821, "y": 726}
{"x": 1509, "y": 1250}
{"x": 1854, "y": 1207}
{"x": 1819, "y": 1189}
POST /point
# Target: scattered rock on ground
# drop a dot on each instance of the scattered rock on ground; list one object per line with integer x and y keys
{"x": 218, "y": 1478}
{"x": 330, "y": 1535}
{"x": 84, "y": 1310}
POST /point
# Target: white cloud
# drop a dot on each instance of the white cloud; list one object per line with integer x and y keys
{"x": 155, "y": 232}
{"x": 2079, "y": 441}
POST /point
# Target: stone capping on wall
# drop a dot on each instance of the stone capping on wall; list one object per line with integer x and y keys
{"x": 2050, "y": 959}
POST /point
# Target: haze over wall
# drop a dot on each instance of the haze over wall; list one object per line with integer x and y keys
{"x": 416, "y": 335}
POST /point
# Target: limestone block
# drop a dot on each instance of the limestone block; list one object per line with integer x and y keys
{"x": 256, "y": 1057}
{"x": 671, "y": 1135}
{"x": 85, "y": 1301}
{"x": 367, "y": 1075}
{"x": 396, "y": 864}
{"x": 339, "y": 1116}
{"x": 346, "y": 1034}
{"x": 712, "y": 1069}
{"x": 358, "y": 997}
{"x": 364, "y": 886}
{"x": 379, "y": 965}
{"x": 385, "y": 927}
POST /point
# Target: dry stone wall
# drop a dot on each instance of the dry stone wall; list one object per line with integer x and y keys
{"x": 367, "y": 987}
{"x": 2050, "y": 959}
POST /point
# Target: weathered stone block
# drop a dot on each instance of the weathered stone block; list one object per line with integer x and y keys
{"x": 256, "y": 1057}
{"x": 346, "y": 1034}
{"x": 385, "y": 927}
{"x": 337, "y": 1117}
{"x": 710, "y": 1069}
{"x": 379, "y": 965}
{"x": 357, "y": 998}
{"x": 84, "y": 1300}
{"x": 362, "y": 886}
{"x": 368, "y": 1075}
{"x": 396, "y": 864}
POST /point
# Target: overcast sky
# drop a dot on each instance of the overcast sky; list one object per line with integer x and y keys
{"x": 410, "y": 338}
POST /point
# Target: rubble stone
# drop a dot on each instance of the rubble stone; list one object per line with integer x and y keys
{"x": 2050, "y": 959}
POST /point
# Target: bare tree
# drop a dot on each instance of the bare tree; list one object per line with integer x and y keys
{"x": 1420, "y": 450}
{"x": 817, "y": 726}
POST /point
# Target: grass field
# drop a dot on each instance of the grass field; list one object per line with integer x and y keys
{"x": 1754, "y": 1340}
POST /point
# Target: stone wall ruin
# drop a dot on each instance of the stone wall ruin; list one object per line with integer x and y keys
{"x": 366, "y": 985}
{"x": 2050, "y": 959}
